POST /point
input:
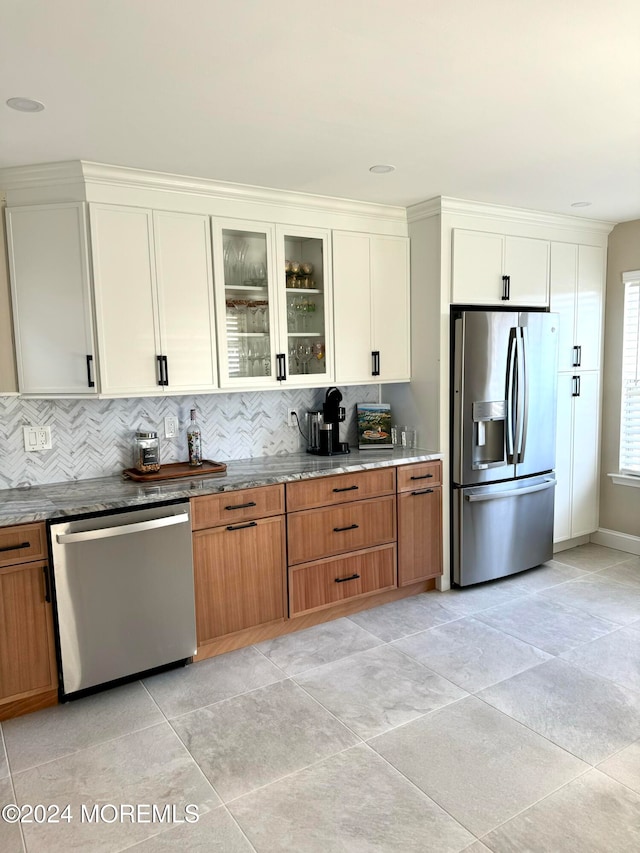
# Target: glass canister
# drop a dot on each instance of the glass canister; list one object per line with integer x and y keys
{"x": 146, "y": 451}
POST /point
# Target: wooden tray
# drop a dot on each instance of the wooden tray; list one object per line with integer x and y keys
{"x": 175, "y": 470}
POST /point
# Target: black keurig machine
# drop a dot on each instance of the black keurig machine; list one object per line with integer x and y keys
{"x": 324, "y": 426}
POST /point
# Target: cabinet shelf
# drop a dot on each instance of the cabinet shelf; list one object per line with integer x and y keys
{"x": 304, "y": 334}
{"x": 247, "y": 334}
{"x": 297, "y": 290}
{"x": 246, "y": 288}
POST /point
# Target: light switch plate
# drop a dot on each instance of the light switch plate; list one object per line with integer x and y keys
{"x": 170, "y": 427}
{"x": 37, "y": 438}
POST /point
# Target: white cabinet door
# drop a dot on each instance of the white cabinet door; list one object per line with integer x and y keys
{"x": 526, "y": 262}
{"x": 564, "y": 459}
{"x": 481, "y": 259}
{"x": 576, "y": 499}
{"x": 352, "y": 307}
{"x": 584, "y": 500}
{"x": 577, "y": 294}
{"x": 563, "y": 278}
{"x": 50, "y": 288}
{"x": 185, "y": 300}
{"x": 589, "y": 305}
{"x": 389, "y": 265}
{"x": 125, "y": 294}
{"x": 477, "y": 268}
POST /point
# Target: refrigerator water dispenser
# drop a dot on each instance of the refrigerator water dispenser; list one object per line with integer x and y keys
{"x": 489, "y": 419}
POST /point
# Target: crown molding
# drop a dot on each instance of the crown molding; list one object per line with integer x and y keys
{"x": 528, "y": 217}
{"x": 88, "y": 172}
{"x": 424, "y": 209}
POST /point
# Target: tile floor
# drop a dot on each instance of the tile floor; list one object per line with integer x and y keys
{"x": 502, "y": 718}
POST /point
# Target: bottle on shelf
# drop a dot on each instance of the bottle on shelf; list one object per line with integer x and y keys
{"x": 194, "y": 440}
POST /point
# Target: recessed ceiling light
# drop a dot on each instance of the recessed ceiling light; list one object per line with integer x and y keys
{"x": 382, "y": 169}
{"x": 581, "y": 204}
{"x": 25, "y": 105}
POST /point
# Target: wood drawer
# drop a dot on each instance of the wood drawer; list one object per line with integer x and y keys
{"x": 323, "y": 491}
{"x": 234, "y": 506}
{"x": 317, "y": 533}
{"x": 22, "y": 543}
{"x": 421, "y": 475}
{"x": 321, "y": 584}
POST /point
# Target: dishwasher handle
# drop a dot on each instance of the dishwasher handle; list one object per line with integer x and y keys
{"x": 122, "y": 530}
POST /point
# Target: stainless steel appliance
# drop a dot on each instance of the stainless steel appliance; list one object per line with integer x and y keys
{"x": 324, "y": 427}
{"x": 503, "y": 441}
{"x": 123, "y": 594}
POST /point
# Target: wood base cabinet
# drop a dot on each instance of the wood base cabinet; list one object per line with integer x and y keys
{"x": 28, "y": 671}
{"x": 419, "y": 522}
{"x": 240, "y": 574}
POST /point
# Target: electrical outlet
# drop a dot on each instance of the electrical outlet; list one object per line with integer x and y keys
{"x": 292, "y": 418}
{"x": 37, "y": 438}
{"x": 170, "y": 427}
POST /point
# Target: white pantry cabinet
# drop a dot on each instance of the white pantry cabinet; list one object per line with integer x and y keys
{"x": 51, "y": 296}
{"x": 577, "y": 455}
{"x": 371, "y": 308}
{"x": 499, "y": 269}
{"x": 154, "y": 300}
{"x": 577, "y": 294}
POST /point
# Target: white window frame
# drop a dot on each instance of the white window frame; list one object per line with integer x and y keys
{"x": 629, "y": 457}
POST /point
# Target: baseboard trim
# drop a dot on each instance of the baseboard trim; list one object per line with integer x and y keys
{"x": 615, "y": 539}
{"x": 569, "y": 543}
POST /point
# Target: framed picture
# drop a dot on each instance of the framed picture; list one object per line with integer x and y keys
{"x": 374, "y": 426}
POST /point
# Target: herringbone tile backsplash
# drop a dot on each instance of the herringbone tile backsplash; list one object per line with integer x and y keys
{"x": 93, "y": 438}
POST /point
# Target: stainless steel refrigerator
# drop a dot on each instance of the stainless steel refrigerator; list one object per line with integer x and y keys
{"x": 503, "y": 442}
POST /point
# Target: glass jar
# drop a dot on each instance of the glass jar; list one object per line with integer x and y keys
{"x": 146, "y": 452}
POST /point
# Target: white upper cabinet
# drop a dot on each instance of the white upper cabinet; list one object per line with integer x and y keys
{"x": 153, "y": 293}
{"x": 371, "y": 308}
{"x": 577, "y": 294}
{"x": 184, "y": 280}
{"x": 499, "y": 269}
{"x": 51, "y": 297}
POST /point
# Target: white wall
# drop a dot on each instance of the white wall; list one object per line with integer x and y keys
{"x": 619, "y": 505}
{"x": 8, "y": 381}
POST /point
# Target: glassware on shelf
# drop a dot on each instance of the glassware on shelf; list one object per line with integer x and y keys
{"x": 318, "y": 350}
{"x": 304, "y": 354}
{"x": 294, "y": 364}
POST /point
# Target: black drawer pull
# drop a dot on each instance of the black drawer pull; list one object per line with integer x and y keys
{"x": 350, "y": 578}
{"x": 423, "y": 492}
{"x": 423, "y": 477}
{"x": 16, "y": 547}
{"x": 350, "y": 527}
{"x": 242, "y": 526}
{"x": 347, "y": 489}
{"x": 241, "y": 506}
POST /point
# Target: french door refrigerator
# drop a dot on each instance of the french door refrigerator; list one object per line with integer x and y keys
{"x": 503, "y": 441}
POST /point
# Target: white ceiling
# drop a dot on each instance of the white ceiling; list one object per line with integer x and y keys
{"x": 533, "y": 103}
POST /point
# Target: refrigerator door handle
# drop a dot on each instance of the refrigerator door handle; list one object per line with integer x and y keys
{"x": 512, "y": 493}
{"x": 511, "y": 381}
{"x": 522, "y": 407}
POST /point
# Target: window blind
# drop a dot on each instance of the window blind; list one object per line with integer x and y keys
{"x": 630, "y": 414}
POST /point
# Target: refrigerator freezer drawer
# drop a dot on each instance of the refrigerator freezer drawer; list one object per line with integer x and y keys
{"x": 502, "y": 529}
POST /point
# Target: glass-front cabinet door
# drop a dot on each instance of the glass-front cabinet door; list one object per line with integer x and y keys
{"x": 245, "y": 303}
{"x": 304, "y": 278}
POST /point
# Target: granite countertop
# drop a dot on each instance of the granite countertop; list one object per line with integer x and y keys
{"x": 57, "y": 500}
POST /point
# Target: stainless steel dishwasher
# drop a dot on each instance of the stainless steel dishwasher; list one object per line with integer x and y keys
{"x": 123, "y": 594}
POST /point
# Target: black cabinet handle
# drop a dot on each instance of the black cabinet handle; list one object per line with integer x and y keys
{"x": 16, "y": 547}
{"x": 241, "y": 506}
{"x": 90, "y": 381}
{"x": 281, "y": 367}
{"x": 575, "y": 392}
{"x": 423, "y": 492}
{"x": 47, "y": 591}
{"x": 375, "y": 356}
{"x": 160, "y": 371}
{"x": 577, "y": 356}
{"x": 350, "y": 578}
{"x": 350, "y": 527}
{"x": 165, "y": 363}
{"x": 423, "y": 477}
{"x": 347, "y": 489}
{"x": 506, "y": 287}
{"x": 242, "y": 526}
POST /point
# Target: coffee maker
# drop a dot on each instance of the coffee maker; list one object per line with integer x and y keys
{"x": 324, "y": 427}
